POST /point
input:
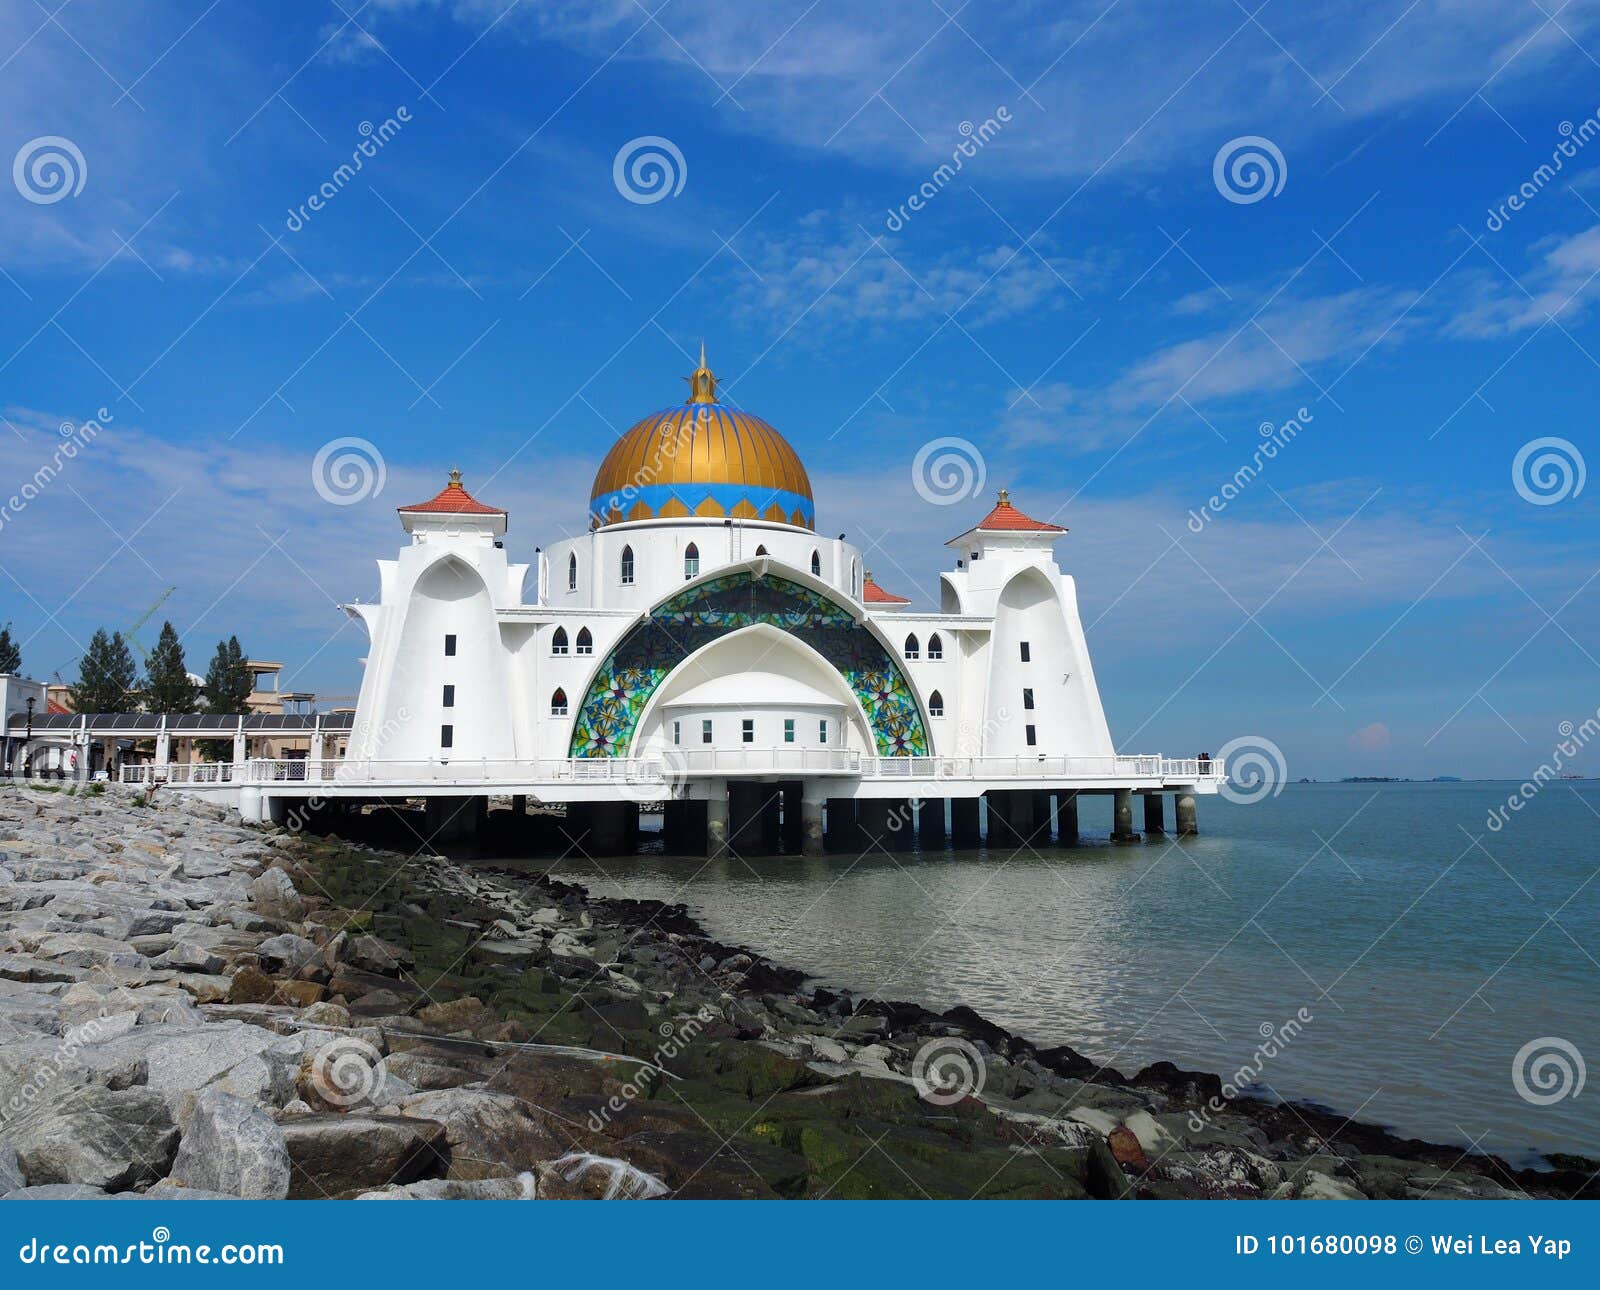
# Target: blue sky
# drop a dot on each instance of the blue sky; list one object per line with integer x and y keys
{"x": 1082, "y": 303}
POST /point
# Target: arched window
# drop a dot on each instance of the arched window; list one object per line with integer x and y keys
{"x": 912, "y": 649}
{"x": 816, "y": 564}
{"x": 585, "y": 642}
{"x": 936, "y": 704}
{"x": 572, "y": 573}
{"x": 627, "y": 566}
{"x": 558, "y": 642}
{"x": 558, "y": 703}
{"x": 761, "y": 550}
{"x": 935, "y": 646}
{"x": 691, "y": 562}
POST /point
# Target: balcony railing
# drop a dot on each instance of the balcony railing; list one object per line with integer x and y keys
{"x": 675, "y": 765}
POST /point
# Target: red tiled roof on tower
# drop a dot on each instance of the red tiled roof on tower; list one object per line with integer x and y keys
{"x": 453, "y": 499}
{"x": 873, "y": 594}
{"x": 1007, "y": 518}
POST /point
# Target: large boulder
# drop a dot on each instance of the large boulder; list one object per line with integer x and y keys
{"x": 490, "y": 1134}
{"x": 274, "y": 895}
{"x": 233, "y": 1147}
{"x": 340, "y": 1153}
{"x": 108, "y": 1138}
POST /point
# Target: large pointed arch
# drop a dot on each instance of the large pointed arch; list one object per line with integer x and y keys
{"x": 624, "y": 683}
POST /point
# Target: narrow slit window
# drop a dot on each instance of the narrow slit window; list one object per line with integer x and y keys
{"x": 691, "y": 562}
{"x": 1026, "y": 653}
{"x": 449, "y": 696}
{"x": 449, "y": 646}
{"x": 1032, "y": 734}
{"x": 1027, "y": 700}
{"x": 822, "y": 731}
{"x": 705, "y": 732}
{"x": 447, "y": 736}
{"x": 572, "y": 573}
{"x": 627, "y": 566}
{"x": 788, "y": 730}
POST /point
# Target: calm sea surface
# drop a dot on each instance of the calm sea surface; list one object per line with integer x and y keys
{"x": 1425, "y": 960}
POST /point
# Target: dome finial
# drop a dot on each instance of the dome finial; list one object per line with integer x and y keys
{"x": 702, "y": 384}
{"x": 1005, "y": 497}
{"x": 455, "y": 477}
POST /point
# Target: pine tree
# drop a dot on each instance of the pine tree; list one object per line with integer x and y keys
{"x": 10, "y": 655}
{"x": 168, "y": 687}
{"x": 228, "y": 680}
{"x": 108, "y": 681}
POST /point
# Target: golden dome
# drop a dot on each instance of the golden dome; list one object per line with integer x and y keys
{"x": 702, "y": 459}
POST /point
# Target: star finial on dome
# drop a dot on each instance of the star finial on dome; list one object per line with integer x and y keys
{"x": 702, "y": 384}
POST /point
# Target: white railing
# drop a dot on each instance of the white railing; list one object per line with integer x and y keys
{"x": 200, "y": 772}
{"x": 674, "y": 765}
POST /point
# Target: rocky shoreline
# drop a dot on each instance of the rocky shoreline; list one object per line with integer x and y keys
{"x": 190, "y": 1008}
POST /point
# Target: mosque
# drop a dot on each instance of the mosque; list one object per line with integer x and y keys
{"x": 701, "y": 645}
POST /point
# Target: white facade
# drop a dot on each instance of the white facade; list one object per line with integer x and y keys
{"x": 469, "y": 663}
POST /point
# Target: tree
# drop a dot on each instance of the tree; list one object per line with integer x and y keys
{"x": 228, "y": 681}
{"x": 167, "y": 684}
{"x": 107, "y": 681}
{"x": 10, "y": 655}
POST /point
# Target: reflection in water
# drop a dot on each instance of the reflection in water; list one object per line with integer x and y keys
{"x": 1425, "y": 963}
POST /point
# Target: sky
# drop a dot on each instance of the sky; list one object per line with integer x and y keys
{"x": 1101, "y": 254}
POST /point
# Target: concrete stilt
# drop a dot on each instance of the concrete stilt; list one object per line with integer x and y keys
{"x": 997, "y": 831}
{"x": 770, "y": 797}
{"x": 1183, "y": 808}
{"x": 872, "y": 818}
{"x": 1154, "y": 815}
{"x": 1043, "y": 819}
{"x": 964, "y": 833}
{"x": 717, "y": 825}
{"x": 613, "y": 828}
{"x": 930, "y": 824}
{"x": 811, "y": 826}
{"x": 1122, "y": 817}
{"x": 519, "y": 805}
{"x": 744, "y": 817}
{"x": 840, "y": 833}
{"x": 1067, "y": 819}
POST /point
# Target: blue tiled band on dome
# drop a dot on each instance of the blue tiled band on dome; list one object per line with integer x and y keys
{"x": 618, "y": 505}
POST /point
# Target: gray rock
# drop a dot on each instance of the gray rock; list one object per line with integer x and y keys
{"x": 106, "y": 1138}
{"x": 10, "y": 1171}
{"x": 287, "y": 951}
{"x": 333, "y": 1154}
{"x": 371, "y": 954}
{"x": 230, "y": 1146}
{"x": 186, "y": 956}
{"x": 274, "y": 895}
{"x": 58, "y": 1191}
{"x": 489, "y": 1133}
{"x": 522, "y": 1186}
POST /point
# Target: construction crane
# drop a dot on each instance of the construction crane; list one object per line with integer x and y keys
{"x": 130, "y": 635}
